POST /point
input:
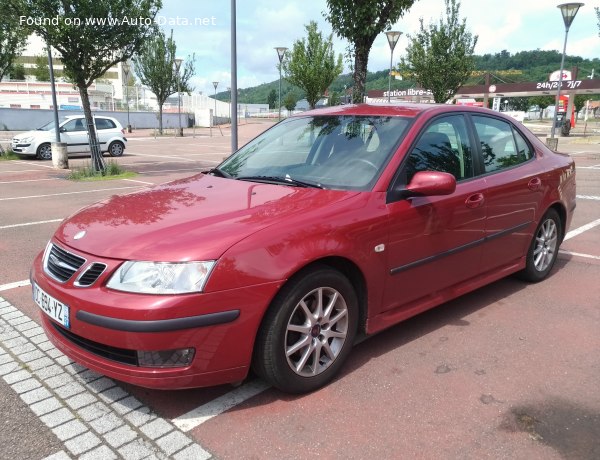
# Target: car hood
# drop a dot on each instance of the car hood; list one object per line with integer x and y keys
{"x": 35, "y": 133}
{"x": 197, "y": 218}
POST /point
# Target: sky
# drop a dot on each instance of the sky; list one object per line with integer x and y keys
{"x": 203, "y": 28}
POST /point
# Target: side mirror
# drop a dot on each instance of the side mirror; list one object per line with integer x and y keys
{"x": 430, "y": 183}
{"x": 62, "y": 129}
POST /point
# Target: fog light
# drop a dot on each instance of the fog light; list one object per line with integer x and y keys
{"x": 166, "y": 358}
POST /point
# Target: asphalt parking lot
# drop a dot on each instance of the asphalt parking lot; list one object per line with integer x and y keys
{"x": 509, "y": 371}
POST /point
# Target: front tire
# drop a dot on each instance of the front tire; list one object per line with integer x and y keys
{"x": 308, "y": 331}
{"x": 116, "y": 149}
{"x": 44, "y": 152}
{"x": 543, "y": 249}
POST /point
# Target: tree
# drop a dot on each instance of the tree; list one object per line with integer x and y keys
{"x": 520, "y": 104}
{"x": 542, "y": 102}
{"x": 17, "y": 72}
{"x": 440, "y": 57}
{"x": 311, "y": 65}
{"x": 289, "y": 101}
{"x": 154, "y": 66}
{"x": 92, "y": 36}
{"x": 13, "y": 38}
{"x": 41, "y": 70}
{"x": 360, "y": 23}
{"x": 272, "y": 99}
{"x": 334, "y": 99}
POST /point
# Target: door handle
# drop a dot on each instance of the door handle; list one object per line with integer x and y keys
{"x": 474, "y": 201}
{"x": 535, "y": 183}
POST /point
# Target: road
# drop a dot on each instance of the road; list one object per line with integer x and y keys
{"x": 508, "y": 371}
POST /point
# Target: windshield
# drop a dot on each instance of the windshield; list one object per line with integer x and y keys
{"x": 334, "y": 152}
{"x": 50, "y": 125}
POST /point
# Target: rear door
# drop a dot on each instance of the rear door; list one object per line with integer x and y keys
{"x": 514, "y": 191}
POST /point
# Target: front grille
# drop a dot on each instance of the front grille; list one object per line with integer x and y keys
{"x": 61, "y": 264}
{"x": 90, "y": 275}
{"x": 120, "y": 355}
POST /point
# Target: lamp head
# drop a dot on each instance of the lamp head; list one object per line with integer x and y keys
{"x": 568, "y": 11}
{"x": 393, "y": 36}
{"x": 281, "y": 52}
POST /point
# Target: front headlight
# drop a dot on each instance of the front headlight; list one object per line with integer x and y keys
{"x": 161, "y": 277}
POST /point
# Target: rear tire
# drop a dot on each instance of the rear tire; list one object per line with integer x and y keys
{"x": 44, "y": 152}
{"x": 543, "y": 249}
{"x": 307, "y": 332}
{"x": 116, "y": 149}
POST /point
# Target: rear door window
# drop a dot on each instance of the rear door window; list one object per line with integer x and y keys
{"x": 502, "y": 146}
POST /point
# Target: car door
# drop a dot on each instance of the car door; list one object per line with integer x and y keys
{"x": 514, "y": 190}
{"x": 73, "y": 133}
{"x": 435, "y": 242}
{"x": 105, "y": 129}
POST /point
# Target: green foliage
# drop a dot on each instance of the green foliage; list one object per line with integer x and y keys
{"x": 334, "y": 99}
{"x": 6, "y": 155}
{"x": 113, "y": 171}
{"x": 88, "y": 49}
{"x": 154, "y": 66}
{"x": 360, "y": 23}
{"x": 312, "y": 65}
{"x": 13, "y": 38}
{"x": 440, "y": 57}
{"x": 272, "y": 99}
{"x": 17, "y": 72}
{"x": 542, "y": 102}
{"x": 41, "y": 70}
{"x": 290, "y": 100}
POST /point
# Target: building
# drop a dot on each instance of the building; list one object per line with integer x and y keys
{"x": 107, "y": 93}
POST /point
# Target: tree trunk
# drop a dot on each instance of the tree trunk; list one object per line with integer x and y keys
{"x": 160, "y": 126}
{"x": 97, "y": 160}
{"x": 361, "y": 58}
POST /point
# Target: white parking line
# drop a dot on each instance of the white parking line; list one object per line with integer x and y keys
{"x": 33, "y": 164}
{"x": 588, "y": 197}
{"x": 16, "y": 284}
{"x": 65, "y": 193}
{"x": 30, "y": 180}
{"x": 583, "y": 228}
{"x": 579, "y": 254}
{"x": 139, "y": 181}
{"x": 201, "y": 414}
{"x": 31, "y": 223}
{"x": 162, "y": 156}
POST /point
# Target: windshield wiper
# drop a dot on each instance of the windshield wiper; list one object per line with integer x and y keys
{"x": 287, "y": 180}
{"x": 218, "y": 172}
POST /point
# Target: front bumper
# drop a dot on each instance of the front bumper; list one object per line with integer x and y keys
{"x": 220, "y": 326}
{"x": 22, "y": 148}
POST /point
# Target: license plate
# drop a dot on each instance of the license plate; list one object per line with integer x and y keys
{"x": 55, "y": 309}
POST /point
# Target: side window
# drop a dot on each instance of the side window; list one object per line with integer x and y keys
{"x": 501, "y": 145}
{"x": 104, "y": 123}
{"x": 70, "y": 126}
{"x": 445, "y": 147}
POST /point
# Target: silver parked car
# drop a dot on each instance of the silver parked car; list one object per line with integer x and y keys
{"x": 72, "y": 132}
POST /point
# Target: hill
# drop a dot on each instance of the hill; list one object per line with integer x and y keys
{"x": 504, "y": 67}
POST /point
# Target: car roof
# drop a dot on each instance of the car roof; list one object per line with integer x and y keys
{"x": 404, "y": 109}
{"x": 72, "y": 117}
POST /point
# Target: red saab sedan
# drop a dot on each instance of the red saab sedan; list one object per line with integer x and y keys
{"x": 332, "y": 224}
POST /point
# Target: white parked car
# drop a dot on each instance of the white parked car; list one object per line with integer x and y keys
{"x": 72, "y": 132}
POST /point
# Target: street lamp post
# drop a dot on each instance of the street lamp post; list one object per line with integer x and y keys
{"x": 126, "y": 70}
{"x": 280, "y": 54}
{"x": 229, "y": 91}
{"x": 392, "y": 38}
{"x": 568, "y": 11}
{"x": 215, "y": 84}
{"x": 177, "y": 63}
